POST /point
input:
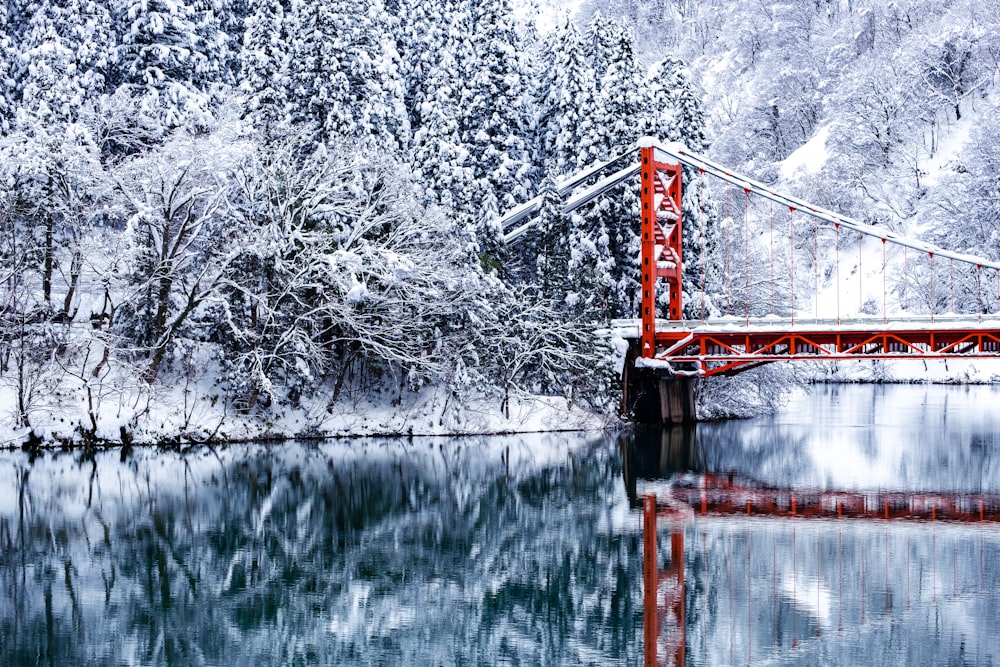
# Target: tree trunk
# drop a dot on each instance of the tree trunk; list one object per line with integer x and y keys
{"x": 47, "y": 261}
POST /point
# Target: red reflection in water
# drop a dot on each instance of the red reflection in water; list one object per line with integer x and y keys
{"x": 663, "y": 592}
{"x": 711, "y": 496}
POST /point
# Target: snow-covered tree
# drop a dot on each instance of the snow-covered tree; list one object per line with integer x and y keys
{"x": 495, "y": 122}
{"x": 434, "y": 42}
{"x": 341, "y": 269}
{"x": 565, "y": 100}
{"x": 6, "y": 71}
{"x": 63, "y": 61}
{"x": 548, "y": 248}
{"x": 972, "y": 195}
{"x": 952, "y": 69}
{"x": 344, "y": 72}
{"x": 178, "y": 241}
{"x": 430, "y": 33}
{"x": 263, "y": 62}
{"x": 171, "y": 56}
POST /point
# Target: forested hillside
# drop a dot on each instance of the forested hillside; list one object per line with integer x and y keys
{"x": 257, "y": 207}
{"x": 886, "y": 112}
{"x": 249, "y": 208}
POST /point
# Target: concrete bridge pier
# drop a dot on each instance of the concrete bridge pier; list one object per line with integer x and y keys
{"x": 655, "y": 396}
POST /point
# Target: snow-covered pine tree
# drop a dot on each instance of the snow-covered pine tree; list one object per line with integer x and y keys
{"x": 441, "y": 161}
{"x": 233, "y": 16}
{"x": 599, "y": 42}
{"x": 6, "y": 66}
{"x": 63, "y": 61}
{"x": 427, "y": 35}
{"x": 564, "y": 98}
{"x": 549, "y": 247}
{"x": 673, "y": 105}
{"x": 620, "y": 102}
{"x": 371, "y": 62}
{"x": 617, "y": 127}
{"x": 344, "y": 72}
{"x": 434, "y": 40}
{"x": 314, "y": 79}
{"x": 263, "y": 61}
{"x": 495, "y": 121}
{"x": 171, "y": 54}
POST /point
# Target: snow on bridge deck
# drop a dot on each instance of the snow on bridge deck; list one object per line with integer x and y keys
{"x": 629, "y": 328}
{"x": 727, "y": 345}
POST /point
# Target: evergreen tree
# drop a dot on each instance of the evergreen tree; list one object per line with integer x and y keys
{"x": 549, "y": 247}
{"x": 591, "y": 274}
{"x": 435, "y": 39}
{"x": 344, "y": 72}
{"x": 673, "y": 109}
{"x": 495, "y": 122}
{"x": 429, "y": 33}
{"x": 441, "y": 162}
{"x": 171, "y": 53}
{"x": 263, "y": 65}
{"x": 599, "y": 43}
{"x": 63, "y": 60}
{"x": 565, "y": 101}
{"x": 620, "y": 102}
{"x": 618, "y": 113}
{"x": 6, "y": 67}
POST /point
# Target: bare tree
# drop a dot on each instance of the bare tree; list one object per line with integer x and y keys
{"x": 175, "y": 201}
{"x": 341, "y": 264}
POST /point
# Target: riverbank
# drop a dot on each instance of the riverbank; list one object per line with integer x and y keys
{"x": 178, "y": 414}
{"x": 182, "y": 413}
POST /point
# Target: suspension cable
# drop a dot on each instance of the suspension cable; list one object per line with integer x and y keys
{"x": 704, "y": 253}
{"x": 951, "y": 271}
{"x": 906, "y": 279}
{"x": 746, "y": 248}
{"x": 884, "y": 307}
{"x": 681, "y": 154}
{"x": 729, "y": 232}
{"x": 861, "y": 302}
{"x": 932, "y": 285}
{"x": 816, "y": 265}
{"x": 979, "y": 291}
{"x": 836, "y": 244}
{"x": 771, "y": 252}
{"x": 791, "y": 255}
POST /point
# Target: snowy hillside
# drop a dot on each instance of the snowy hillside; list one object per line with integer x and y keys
{"x": 273, "y": 210}
{"x": 887, "y": 113}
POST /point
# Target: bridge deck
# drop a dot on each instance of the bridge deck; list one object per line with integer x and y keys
{"x": 728, "y": 345}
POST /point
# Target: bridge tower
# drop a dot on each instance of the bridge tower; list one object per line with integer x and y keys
{"x": 662, "y": 240}
{"x": 651, "y": 395}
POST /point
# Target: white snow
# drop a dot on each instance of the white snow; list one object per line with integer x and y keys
{"x": 809, "y": 157}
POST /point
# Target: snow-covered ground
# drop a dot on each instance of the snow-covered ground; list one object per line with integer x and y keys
{"x": 185, "y": 413}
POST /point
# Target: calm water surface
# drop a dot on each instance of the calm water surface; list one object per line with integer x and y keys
{"x": 520, "y": 550}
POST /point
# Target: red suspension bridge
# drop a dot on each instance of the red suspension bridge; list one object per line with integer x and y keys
{"x": 808, "y": 315}
{"x": 783, "y": 300}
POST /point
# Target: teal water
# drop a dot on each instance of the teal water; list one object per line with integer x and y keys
{"x": 514, "y": 550}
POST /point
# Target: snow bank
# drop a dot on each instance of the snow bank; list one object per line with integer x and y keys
{"x": 194, "y": 412}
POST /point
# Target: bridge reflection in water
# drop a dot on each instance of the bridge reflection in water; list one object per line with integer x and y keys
{"x": 740, "y": 572}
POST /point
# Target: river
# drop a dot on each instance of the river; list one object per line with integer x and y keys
{"x": 514, "y": 550}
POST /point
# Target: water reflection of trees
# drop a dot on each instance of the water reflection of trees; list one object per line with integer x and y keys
{"x": 444, "y": 553}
